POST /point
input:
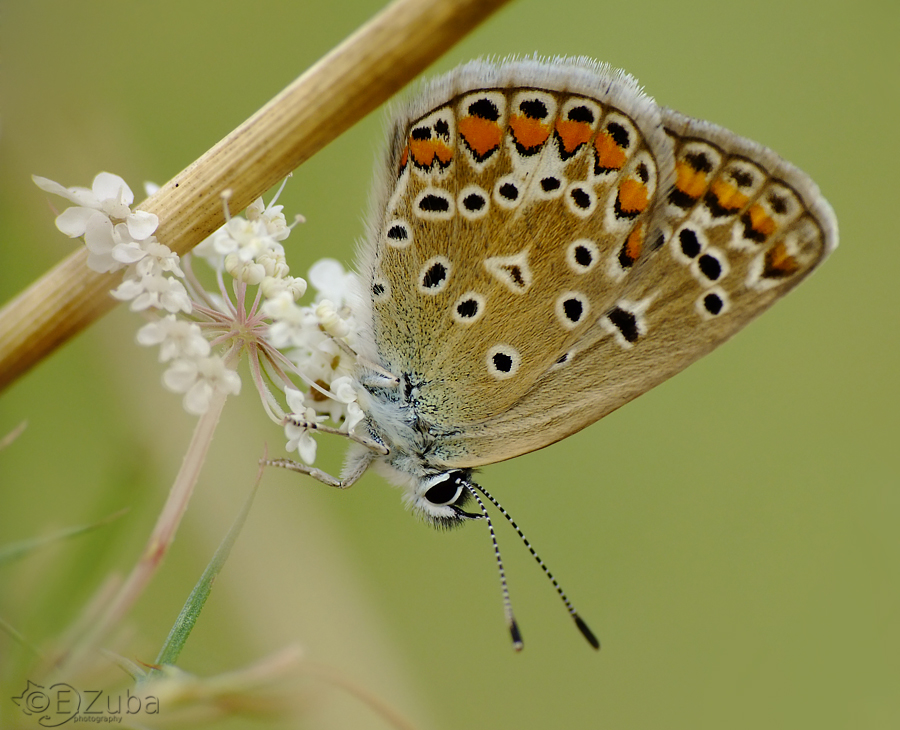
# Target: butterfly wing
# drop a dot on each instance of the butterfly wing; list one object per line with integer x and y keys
{"x": 524, "y": 261}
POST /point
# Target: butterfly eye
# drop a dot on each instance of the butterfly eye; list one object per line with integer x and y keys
{"x": 444, "y": 492}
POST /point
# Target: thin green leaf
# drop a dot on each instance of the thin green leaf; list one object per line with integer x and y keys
{"x": 18, "y": 550}
{"x": 184, "y": 624}
{"x": 11, "y": 631}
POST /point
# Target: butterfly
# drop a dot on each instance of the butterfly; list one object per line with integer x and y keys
{"x": 545, "y": 244}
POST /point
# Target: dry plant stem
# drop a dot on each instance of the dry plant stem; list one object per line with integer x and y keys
{"x": 160, "y": 539}
{"x": 333, "y": 676}
{"x": 344, "y": 86}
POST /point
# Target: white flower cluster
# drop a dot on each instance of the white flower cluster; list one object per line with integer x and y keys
{"x": 285, "y": 342}
{"x": 119, "y": 238}
{"x": 318, "y": 339}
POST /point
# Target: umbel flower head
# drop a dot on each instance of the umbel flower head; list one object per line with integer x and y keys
{"x": 299, "y": 356}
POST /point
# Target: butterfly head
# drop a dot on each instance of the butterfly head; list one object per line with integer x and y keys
{"x": 440, "y": 499}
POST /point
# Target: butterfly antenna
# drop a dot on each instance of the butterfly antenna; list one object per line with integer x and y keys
{"x": 507, "y": 604}
{"x": 579, "y": 622}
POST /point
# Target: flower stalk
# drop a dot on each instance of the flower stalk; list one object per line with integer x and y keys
{"x": 160, "y": 538}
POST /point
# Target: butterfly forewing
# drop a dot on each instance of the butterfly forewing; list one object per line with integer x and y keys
{"x": 514, "y": 218}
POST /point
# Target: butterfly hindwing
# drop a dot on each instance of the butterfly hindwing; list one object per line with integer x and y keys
{"x": 741, "y": 228}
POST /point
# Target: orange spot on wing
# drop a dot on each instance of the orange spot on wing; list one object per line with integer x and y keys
{"x": 760, "y": 221}
{"x": 528, "y": 132}
{"x": 727, "y": 195}
{"x": 404, "y": 157}
{"x": 425, "y": 151}
{"x": 633, "y": 196}
{"x": 481, "y": 135}
{"x": 779, "y": 263}
{"x": 635, "y": 243}
{"x": 691, "y": 182}
{"x": 609, "y": 155}
{"x": 573, "y": 134}
{"x": 443, "y": 152}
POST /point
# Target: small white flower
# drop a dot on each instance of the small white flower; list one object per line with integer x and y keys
{"x": 74, "y": 221}
{"x": 330, "y": 320}
{"x": 226, "y": 239}
{"x": 332, "y": 282}
{"x": 177, "y": 338}
{"x": 274, "y": 263}
{"x": 154, "y": 290}
{"x": 248, "y": 239}
{"x": 253, "y": 211}
{"x": 100, "y": 242}
{"x": 299, "y": 435}
{"x": 294, "y": 285}
{"x": 354, "y": 416}
{"x": 199, "y": 379}
{"x": 109, "y": 196}
{"x": 292, "y": 325}
{"x": 141, "y": 224}
{"x": 271, "y": 216}
{"x": 112, "y": 196}
{"x": 294, "y": 399}
{"x": 343, "y": 390}
{"x": 249, "y": 272}
{"x": 151, "y": 256}
{"x": 180, "y": 375}
{"x": 157, "y": 258}
{"x": 346, "y": 396}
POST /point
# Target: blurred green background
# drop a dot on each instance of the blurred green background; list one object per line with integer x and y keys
{"x": 742, "y": 572}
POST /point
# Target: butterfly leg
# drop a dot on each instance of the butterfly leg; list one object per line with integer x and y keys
{"x": 377, "y": 375}
{"x": 376, "y": 446}
{"x": 355, "y": 468}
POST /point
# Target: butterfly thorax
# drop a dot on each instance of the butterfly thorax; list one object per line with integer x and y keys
{"x": 397, "y": 415}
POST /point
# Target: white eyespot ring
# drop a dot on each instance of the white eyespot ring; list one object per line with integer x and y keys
{"x": 503, "y": 361}
{"x": 398, "y": 233}
{"x": 572, "y": 308}
{"x": 710, "y": 267}
{"x": 468, "y": 308}
{"x": 508, "y": 192}
{"x": 473, "y": 202}
{"x": 712, "y": 303}
{"x": 550, "y": 186}
{"x": 688, "y": 243}
{"x": 582, "y": 255}
{"x": 434, "y": 275}
{"x": 621, "y": 129}
{"x": 580, "y": 199}
{"x": 511, "y": 271}
{"x": 434, "y": 204}
{"x": 627, "y": 320}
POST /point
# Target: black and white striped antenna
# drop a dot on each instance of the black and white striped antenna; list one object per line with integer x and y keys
{"x": 474, "y": 489}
